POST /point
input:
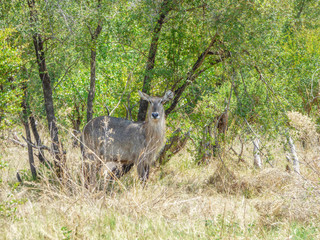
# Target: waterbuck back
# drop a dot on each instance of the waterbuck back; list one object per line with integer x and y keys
{"x": 108, "y": 139}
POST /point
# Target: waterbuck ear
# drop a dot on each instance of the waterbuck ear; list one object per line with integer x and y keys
{"x": 144, "y": 96}
{"x": 167, "y": 96}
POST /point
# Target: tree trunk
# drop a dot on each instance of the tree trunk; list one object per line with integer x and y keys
{"x": 92, "y": 85}
{"x": 1, "y": 110}
{"x": 220, "y": 131}
{"x": 164, "y": 10}
{"x": 92, "y": 91}
{"x": 47, "y": 90}
{"x": 295, "y": 159}
{"x": 28, "y": 136}
{"x": 173, "y": 146}
{"x": 206, "y": 148}
{"x": 37, "y": 138}
{"x": 76, "y": 119}
{"x": 223, "y": 123}
{"x": 256, "y": 154}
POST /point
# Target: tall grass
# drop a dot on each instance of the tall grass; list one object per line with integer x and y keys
{"x": 180, "y": 201}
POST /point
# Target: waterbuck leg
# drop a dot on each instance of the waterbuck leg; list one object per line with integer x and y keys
{"x": 89, "y": 168}
{"x": 146, "y": 172}
{"x": 126, "y": 168}
{"x": 118, "y": 171}
{"x": 143, "y": 171}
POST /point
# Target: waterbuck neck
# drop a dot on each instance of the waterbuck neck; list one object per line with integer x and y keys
{"x": 155, "y": 133}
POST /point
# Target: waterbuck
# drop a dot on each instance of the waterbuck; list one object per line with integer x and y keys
{"x": 108, "y": 139}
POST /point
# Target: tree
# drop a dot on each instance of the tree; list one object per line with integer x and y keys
{"x": 262, "y": 56}
{"x": 28, "y": 135}
{"x": 165, "y": 8}
{"x": 46, "y": 87}
{"x": 94, "y": 35}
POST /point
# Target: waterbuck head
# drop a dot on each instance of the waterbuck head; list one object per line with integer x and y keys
{"x": 156, "y": 111}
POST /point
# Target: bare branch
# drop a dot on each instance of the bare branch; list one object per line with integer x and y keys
{"x": 128, "y": 80}
{"x": 65, "y": 73}
{"x": 192, "y": 74}
{"x": 34, "y": 146}
{"x": 17, "y": 142}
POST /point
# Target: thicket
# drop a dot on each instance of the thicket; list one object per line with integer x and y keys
{"x": 236, "y": 67}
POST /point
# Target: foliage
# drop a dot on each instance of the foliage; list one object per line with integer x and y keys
{"x": 264, "y": 61}
{"x": 10, "y": 76}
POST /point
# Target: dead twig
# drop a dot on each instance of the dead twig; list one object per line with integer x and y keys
{"x": 35, "y": 146}
{"x": 239, "y": 155}
{"x": 17, "y": 142}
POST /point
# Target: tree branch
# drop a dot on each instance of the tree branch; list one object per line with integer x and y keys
{"x": 34, "y": 146}
{"x": 192, "y": 75}
{"x": 164, "y": 10}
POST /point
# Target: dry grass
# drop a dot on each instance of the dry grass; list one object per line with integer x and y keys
{"x": 304, "y": 127}
{"x": 181, "y": 201}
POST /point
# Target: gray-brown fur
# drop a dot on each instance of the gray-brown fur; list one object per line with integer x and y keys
{"x": 109, "y": 139}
